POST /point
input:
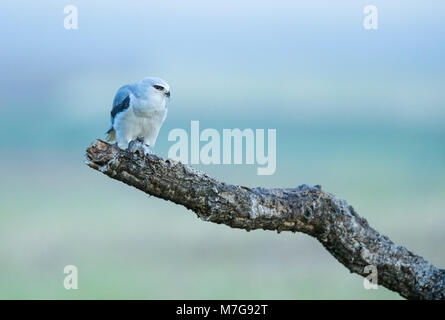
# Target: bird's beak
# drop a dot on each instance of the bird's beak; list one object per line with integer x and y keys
{"x": 167, "y": 94}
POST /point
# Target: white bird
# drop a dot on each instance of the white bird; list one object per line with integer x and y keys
{"x": 138, "y": 112}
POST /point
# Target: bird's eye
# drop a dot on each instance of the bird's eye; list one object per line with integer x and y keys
{"x": 158, "y": 87}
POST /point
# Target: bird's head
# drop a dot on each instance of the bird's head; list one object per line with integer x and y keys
{"x": 157, "y": 87}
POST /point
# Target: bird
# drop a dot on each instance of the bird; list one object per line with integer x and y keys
{"x": 138, "y": 112}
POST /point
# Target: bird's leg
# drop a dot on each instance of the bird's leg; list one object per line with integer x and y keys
{"x": 138, "y": 144}
{"x": 147, "y": 149}
{"x": 135, "y": 145}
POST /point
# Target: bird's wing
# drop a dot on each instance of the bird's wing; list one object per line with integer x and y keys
{"x": 121, "y": 101}
{"x": 125, "y": 104}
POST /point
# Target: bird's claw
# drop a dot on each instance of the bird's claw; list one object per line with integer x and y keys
{"x": 147, "y": 149}
{"x": 138, "y": 144}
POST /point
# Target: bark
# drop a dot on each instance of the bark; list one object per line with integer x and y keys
{"x": 310, "y": 210}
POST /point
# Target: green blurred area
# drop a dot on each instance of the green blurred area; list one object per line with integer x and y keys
{"x": 56, "y": 211}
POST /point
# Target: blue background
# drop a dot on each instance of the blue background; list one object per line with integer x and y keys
{"x": 360, "y": 112}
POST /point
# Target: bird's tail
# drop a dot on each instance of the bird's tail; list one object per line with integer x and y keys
{"x": 111, "y": 135}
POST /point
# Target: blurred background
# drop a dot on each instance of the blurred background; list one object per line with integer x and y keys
{"x": 360, "y": 112}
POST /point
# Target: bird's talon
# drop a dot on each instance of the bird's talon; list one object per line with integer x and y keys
{"x": 147, "y": 150}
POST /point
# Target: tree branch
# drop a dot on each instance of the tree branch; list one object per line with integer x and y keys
{"x": 333, "y": 222}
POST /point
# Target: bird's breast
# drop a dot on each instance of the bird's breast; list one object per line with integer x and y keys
{"x": 148, "y": 107}
{"x": 152, "y": 118}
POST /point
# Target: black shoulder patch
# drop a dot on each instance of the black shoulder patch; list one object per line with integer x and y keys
{"x": 120, "y": 107}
